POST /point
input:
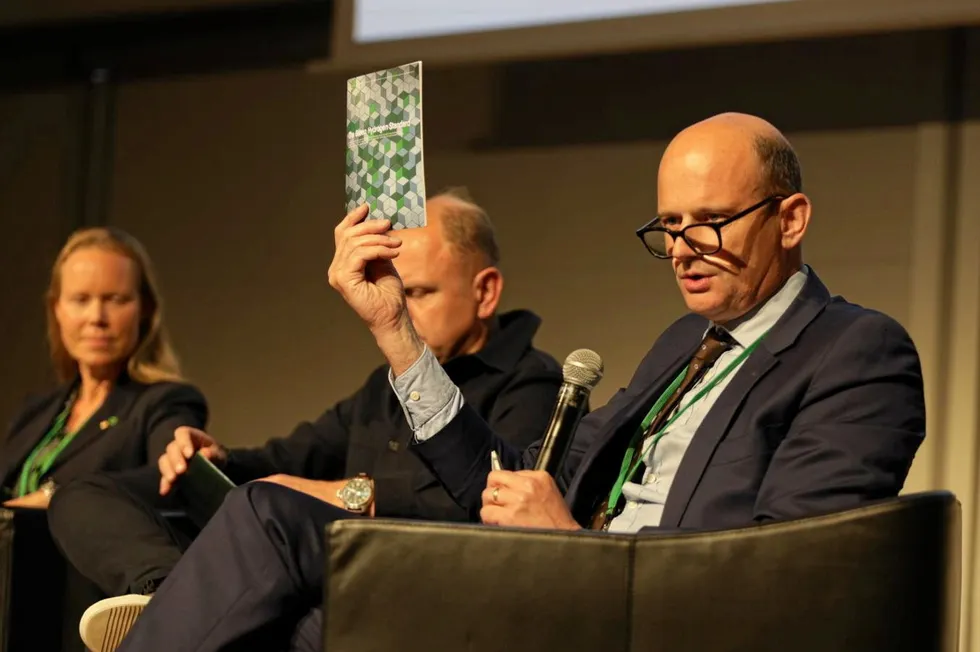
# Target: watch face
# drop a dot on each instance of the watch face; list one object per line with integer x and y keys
{"x": 357, "y": 492}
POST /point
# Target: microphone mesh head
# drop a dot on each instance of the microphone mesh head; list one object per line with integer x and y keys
{"x": 583, "y": 367}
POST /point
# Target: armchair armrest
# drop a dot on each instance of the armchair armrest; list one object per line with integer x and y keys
{"x": 42, "y": 597}
{"x": 410, "y": 585}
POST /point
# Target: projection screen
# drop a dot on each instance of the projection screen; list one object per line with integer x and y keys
{"x": 382, "y": 32}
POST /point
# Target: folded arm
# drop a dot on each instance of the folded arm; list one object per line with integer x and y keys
{"x": 315, "y": 449}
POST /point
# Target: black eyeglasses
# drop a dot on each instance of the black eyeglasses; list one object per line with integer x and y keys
{"x": 703, "y": 238}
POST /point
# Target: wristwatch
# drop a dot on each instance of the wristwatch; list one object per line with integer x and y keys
{"x": 357, "y": 494}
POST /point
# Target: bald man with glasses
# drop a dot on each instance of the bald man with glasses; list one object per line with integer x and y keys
{"x": 771, "y": 400}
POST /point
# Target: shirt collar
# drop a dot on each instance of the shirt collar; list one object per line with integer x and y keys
{"x": 511, "y": 334}
{"x": 752, "y": 326}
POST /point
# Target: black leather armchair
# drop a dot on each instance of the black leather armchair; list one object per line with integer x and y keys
{"x": 880, "y": 578}
{"x": 42, "y": 596}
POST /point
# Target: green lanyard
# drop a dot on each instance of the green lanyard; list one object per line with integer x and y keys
{"x": 630, "y": 466}
{"x": 34, "y": 469}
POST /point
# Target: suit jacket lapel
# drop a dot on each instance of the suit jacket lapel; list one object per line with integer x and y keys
{"x": 636, "y": 409}
{"x": 631, "y": 412}
{"x": 811, "y": 301}
{"x": 118, "y": 402}
{"x": 710, "y": 433}
{"x": 29, "y": 435}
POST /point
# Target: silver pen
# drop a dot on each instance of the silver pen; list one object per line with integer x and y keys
{"x": 495, "y": 461}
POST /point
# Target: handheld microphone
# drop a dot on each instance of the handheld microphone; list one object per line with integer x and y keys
{"x": 581, "y": 372}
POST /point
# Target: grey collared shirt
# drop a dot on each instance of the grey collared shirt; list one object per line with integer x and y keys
{"x": 430, "y": 401}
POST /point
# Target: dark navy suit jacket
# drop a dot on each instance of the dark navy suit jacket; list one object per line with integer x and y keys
{"x": 827, "y": 413}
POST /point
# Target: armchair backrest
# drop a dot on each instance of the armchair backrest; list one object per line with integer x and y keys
{"x": 885, "y": 577}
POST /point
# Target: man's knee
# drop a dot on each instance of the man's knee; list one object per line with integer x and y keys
{"x": 278, "y": 509}
{"x": 263, "y": 500}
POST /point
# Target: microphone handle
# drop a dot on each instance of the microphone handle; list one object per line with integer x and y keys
{"x": 569, "y": 409}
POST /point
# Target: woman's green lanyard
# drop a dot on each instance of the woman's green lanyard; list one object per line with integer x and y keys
{"x": 630, "y": 466}
{"x": 34, "y": 468}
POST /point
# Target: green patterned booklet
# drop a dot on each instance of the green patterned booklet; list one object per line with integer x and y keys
{"x": 384, "y": 145}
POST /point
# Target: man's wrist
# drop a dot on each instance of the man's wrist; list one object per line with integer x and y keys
{"x": 357, "y": 494}
{"x": 400, "y": 344}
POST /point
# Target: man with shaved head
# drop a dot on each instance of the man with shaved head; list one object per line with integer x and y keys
{"x": 356, "y": 455}
{"x": 771, "y": 400}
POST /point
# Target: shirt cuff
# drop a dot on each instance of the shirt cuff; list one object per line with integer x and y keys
{"x": 429, "y": 398}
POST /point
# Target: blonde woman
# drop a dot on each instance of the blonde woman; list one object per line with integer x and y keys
{"x": 121, "y": 394}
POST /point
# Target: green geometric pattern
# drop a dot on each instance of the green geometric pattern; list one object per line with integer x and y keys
{"x": 384, "y": 145}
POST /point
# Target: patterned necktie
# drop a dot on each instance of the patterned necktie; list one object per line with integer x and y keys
{"x": 715, "y": 343}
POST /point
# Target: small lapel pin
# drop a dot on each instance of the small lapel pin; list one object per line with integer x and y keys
{"x": 105, "y": 424}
